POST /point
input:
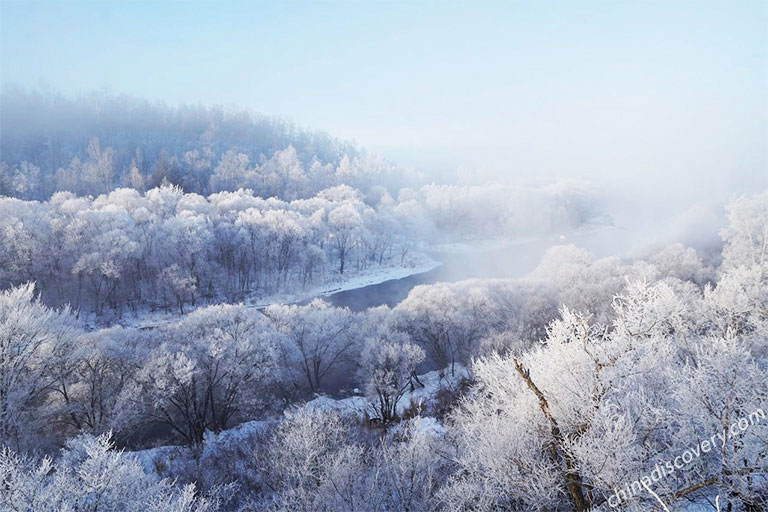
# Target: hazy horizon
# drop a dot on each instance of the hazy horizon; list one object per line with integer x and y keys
{"x": 615, "y": 93}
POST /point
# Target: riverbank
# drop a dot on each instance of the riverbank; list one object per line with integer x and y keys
{"x": 418, "y": 264}
{"x": 369, "y": 277}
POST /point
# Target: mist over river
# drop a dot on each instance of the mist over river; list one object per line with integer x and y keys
{"x": 512, "y": 260}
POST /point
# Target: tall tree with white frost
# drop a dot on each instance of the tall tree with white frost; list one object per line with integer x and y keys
{"x": 345, "y": 224}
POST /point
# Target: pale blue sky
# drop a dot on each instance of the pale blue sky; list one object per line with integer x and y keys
{"x": 636, "y": 89}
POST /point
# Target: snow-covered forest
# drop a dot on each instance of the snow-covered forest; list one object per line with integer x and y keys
{"x": 537, "y": 283}
{"x": 548, "y": 392}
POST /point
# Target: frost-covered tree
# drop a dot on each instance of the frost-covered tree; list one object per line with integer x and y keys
{"x": 211, "y": 368}
{"x": 318, "y": 338}
{"x": 92, "y": 476}
{"x": 284, "y": 175}
{"x": 738, "y": 302}
{"x": 449, "y": 319}
{"x": 582, "y": 282}
{"x": 98, "y": 171}
{"x": 682, "y": 263}
{"x": 311, "y": 463}
{"x": 387, "y": 364}
{"x": 32, "y": 338}
{"x": 90, "y": 378}
{"x": 179, "y": 283}
{"x": 746, "y": 238}
{"x": 107, "y": 250}
{"x": 409, "y": 467}
{"x": 23, "y": 239}
{"x": 314, "y": 463}
{"x": 345, "y": 224}
{"x": 722, "y": 385}
{"x": 232, "y": 172}
{"x": 516, "y": 431}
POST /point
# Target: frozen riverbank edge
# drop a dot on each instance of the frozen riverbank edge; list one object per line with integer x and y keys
{"x": 422, "y": 264}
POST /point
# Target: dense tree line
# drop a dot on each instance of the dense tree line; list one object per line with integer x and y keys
{"x": 163, "y": 249}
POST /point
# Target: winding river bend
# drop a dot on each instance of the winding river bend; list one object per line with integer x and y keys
{"x": 512, "y": 261}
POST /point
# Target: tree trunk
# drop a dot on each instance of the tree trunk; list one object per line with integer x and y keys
{"x": 571, "y": 476}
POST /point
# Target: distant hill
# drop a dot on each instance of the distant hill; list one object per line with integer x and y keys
{"x": 100, "y": 141}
